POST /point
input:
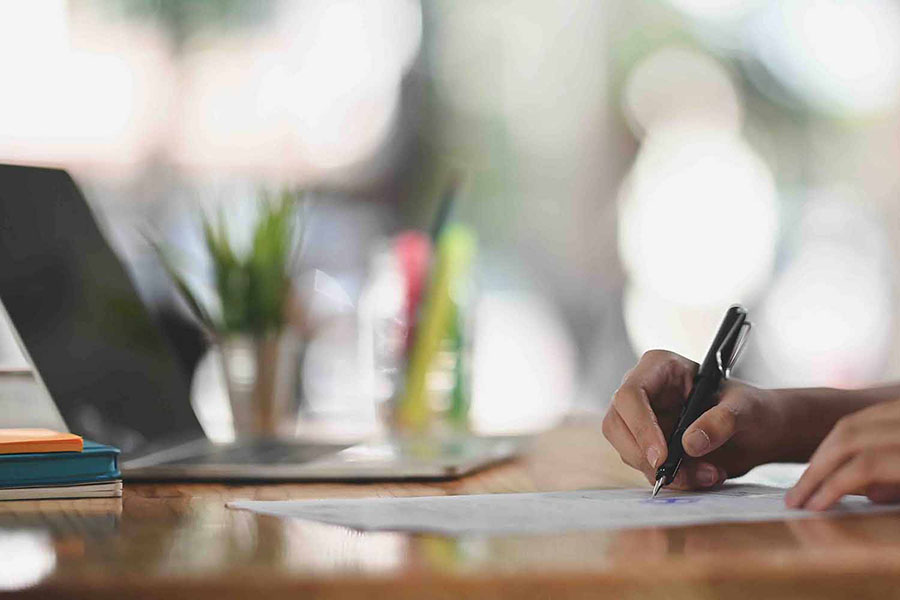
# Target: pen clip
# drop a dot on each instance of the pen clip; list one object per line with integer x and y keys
{"x": 740, "y": 329}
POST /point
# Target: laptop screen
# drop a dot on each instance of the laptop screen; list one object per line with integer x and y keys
{"x": 103, "y": 359}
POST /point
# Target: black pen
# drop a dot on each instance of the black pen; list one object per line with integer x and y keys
{"x": 714, "y": 369}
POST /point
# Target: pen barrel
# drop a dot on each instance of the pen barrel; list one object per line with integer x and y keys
{"x": 701, "y": 399}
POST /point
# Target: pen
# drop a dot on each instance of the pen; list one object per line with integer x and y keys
{"x": 715, "y": 368}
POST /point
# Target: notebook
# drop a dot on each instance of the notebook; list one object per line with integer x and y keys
{"x": 105, "y": 489}
{"x": 95, "y": 463}
{"x": 38, "y": 464}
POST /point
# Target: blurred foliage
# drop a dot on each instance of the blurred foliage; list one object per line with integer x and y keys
{"x": 253, "y": 289}
{"x": 182, "y": 19}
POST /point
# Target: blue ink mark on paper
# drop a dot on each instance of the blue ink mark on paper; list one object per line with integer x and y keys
{"x": 671, "y": 500}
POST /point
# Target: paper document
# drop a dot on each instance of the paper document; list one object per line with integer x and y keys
{"x": 551, "y": 512}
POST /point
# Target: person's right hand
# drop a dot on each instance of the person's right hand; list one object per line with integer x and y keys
{"x": 742, "y": 430}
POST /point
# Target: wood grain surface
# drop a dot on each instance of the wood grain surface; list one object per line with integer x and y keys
{"x": 179, "y": 541}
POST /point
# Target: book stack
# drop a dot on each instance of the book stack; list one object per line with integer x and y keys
{"x": 40, "y": 464}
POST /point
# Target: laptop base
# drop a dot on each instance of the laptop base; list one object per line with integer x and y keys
{"x": 395, "y": 459}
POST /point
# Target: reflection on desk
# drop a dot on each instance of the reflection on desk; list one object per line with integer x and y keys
{"x": 180, "y": 540}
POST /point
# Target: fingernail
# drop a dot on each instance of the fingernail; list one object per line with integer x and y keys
{"x": 707, "y": 475}
{"x": 696, "y": 442}
{"x": 652, "y": 456}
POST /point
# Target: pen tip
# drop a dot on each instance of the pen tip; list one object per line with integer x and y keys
{"x": 659, "y": 483}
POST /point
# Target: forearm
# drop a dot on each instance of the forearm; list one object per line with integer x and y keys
{"x": 808, "y": 414}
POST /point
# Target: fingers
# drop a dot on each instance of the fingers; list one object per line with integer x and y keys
{"x": 836, "y": 449}
{"x": 849, "y": 438}
{"x": 694, "y": 475}
{"x": 858, "y": 473}
{"x": 660, "y": 381}
{"x": 632, "y": 404}
{"x": 620, "y": 437}
{"x": 714, "y": 427}
{"x": 860, "y": 455}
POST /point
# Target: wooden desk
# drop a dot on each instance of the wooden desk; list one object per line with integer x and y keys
{"x": 179, "y": 541}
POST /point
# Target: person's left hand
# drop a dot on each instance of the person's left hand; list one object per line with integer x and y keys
{"x": 861, "y": 455}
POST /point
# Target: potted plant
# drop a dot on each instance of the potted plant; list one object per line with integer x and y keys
{"x": 247, "y": 319}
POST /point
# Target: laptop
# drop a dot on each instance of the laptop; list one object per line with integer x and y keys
{"x": 108, "y": 367}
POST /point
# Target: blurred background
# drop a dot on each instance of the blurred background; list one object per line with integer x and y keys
{"x": 612, "y": 151}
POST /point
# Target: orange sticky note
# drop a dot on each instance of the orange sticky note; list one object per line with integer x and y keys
{"x": 21, "y": 441}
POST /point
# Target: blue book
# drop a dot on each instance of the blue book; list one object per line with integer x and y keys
{"x": 96, "y": 463}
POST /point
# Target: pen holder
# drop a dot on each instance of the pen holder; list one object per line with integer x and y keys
{"x": 446, "y": 394}
{"x": 415, "y": 341}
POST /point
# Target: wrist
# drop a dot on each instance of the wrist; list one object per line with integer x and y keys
{"x": 781, "y": 418}
{"x": 805, "y": 416}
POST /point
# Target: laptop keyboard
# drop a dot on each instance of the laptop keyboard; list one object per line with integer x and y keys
{"x": 261, "y": 453}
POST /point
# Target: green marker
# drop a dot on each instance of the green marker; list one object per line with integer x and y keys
{"x": 456, "y": 249}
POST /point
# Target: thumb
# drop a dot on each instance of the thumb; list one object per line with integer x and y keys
{"x": 713, "y": 428}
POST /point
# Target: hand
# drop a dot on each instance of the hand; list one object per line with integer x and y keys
{"x": 861, "y": 455}
{"x": 741, "y": 431}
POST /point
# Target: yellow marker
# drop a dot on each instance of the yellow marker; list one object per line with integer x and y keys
{"x": 455, "y": 251}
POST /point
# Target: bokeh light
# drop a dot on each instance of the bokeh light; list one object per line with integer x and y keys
{"x": 320, "y": 93}
{"x": 522, "y": 366}
{"x": 341, "y": 81}
{"x": 716, "y": 10}
{"x": 653, "y": 322}
{"x": 681, "y": 85}
{"x": 535, "y": 65}
{"x": 694, "y": 110}
{"x": 827, "y": 320}
{"x": 698, "y": 199}
{"x": 28, "y": 557}
{"x": 95, "y": 101}
{"x": 841, "y": 56}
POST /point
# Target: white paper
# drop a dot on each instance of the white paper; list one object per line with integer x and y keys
{"x": 782, "y": 475}
{"x": 551, "y": 512}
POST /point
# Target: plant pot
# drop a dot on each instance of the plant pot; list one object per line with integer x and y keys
{"x": 262, "y": 374}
